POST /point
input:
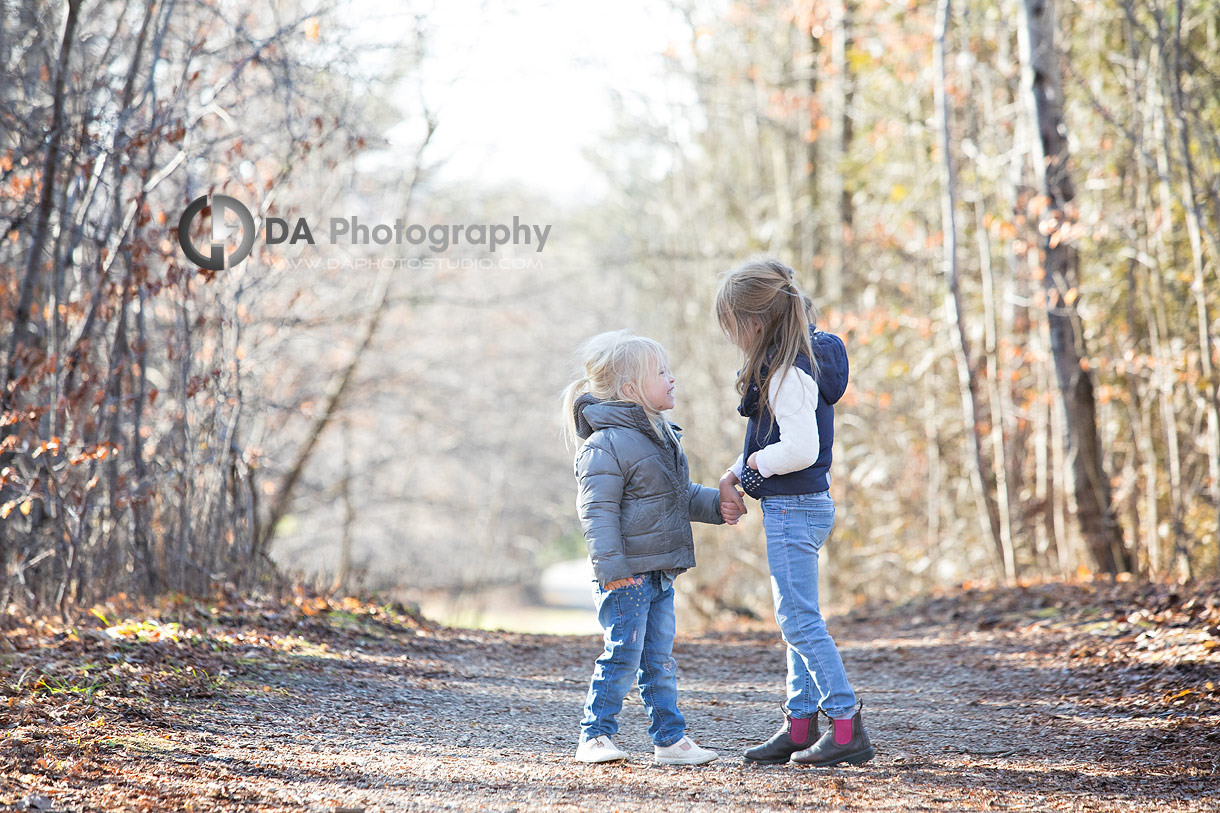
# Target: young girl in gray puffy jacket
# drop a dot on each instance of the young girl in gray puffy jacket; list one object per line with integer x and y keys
{"x": 636, "y": 504}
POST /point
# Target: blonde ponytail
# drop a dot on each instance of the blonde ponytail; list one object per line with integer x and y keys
{"x": 570, "y": 394}
{"x": 765, "y": 313}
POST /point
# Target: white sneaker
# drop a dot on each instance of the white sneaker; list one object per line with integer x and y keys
{"x": 600, "y": 749}
{"x": 683, "y": 752}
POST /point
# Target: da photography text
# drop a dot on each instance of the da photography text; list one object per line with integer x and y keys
{"x": 438, "y": 237}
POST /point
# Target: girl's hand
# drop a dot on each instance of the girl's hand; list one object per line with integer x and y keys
{"x": 731, "y": 512}
{"x": 617, "y": 583}
{"x": 732, "y": 506}
{"x": 752, "y": 463}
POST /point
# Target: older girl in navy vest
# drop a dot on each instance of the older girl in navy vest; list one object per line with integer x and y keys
{"x": 792, "y": 376}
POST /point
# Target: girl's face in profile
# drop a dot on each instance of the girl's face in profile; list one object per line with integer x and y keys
{"x": 658, "y": 388}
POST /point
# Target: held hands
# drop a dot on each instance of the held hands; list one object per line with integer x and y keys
{"x": 732, "y": 506}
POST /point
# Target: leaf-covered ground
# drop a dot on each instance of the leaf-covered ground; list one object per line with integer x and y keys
{"x": 1091, "y": 696}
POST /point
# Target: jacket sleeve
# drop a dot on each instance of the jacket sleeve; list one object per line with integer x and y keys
{"x": 794, "y": 402}
{"x": 705, "y": 504}
{"x": 599, "y": 503}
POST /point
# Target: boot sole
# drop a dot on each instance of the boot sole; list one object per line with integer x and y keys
{"x": 858, "y": 758}
{"x": 680, "y": 761}
{"x": 602, "y": 760}
{"x": 776, "y": 761}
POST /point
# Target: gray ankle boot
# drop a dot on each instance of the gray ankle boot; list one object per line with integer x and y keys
{"x": 827, "y": 751}
{"x": 794, "y": 734}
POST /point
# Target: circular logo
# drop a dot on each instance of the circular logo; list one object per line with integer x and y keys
{"x": 215, "y": 260}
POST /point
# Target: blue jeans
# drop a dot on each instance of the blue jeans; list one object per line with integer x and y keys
{"x": 796, "y": 526}
{"x": 639, "y": 635}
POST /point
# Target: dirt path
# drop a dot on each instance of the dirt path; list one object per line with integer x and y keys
{"x": 978, "y": 712}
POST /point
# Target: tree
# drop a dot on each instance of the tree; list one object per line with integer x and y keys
{"x": 1052, "y": 210}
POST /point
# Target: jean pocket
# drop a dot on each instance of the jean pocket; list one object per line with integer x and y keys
{"x": 821, "y": 522}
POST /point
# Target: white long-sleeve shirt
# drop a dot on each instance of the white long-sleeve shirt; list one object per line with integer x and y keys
{"x": 794, "y": 402}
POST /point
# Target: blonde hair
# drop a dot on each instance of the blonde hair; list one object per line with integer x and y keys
{"x": 763, "y": 311}
{"x": 610, "y": 362}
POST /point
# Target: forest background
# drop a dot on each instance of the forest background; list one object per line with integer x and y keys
{"x": 1008, "y": 210}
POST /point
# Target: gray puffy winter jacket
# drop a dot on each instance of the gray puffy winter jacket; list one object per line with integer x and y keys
{"x": 635, "y": 497}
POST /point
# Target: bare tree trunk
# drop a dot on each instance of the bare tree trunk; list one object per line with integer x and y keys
{"x": 334, "y": 398}
{"x": 1033, "y": 517}
{"x": 344, "y": 575}
{"x": 22, "y": 336}
{"x": 784, "y": 236}
{"x": 999, "y": 457}
{"x": 839, "y": 194}
{"x": 1195, "y": 231}
{"x": 335, "y": 395}
{"x": 829, "y": 286}
{"x": 1041, "y": 76}
{"x": 1055, "y": 459}
{"x": 1044, "y": 525}
{"x": 46, "y": 194}
{"x": 1160, "y": 336}
{"x": 931, "y": 431}
{"x": 967, "y": 378}
{"x": 1144, "y": 457}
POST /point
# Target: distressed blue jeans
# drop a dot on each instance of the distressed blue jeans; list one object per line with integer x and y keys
{"x": 639, "y": 640}
{"x": 796, "y": 526}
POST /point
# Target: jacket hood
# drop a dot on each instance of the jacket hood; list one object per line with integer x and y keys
{"x": 831, "y": 356}
{"x": 592, "y": 414}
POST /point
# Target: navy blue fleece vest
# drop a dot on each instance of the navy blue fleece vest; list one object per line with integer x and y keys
{"x": 762, "y": 430}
